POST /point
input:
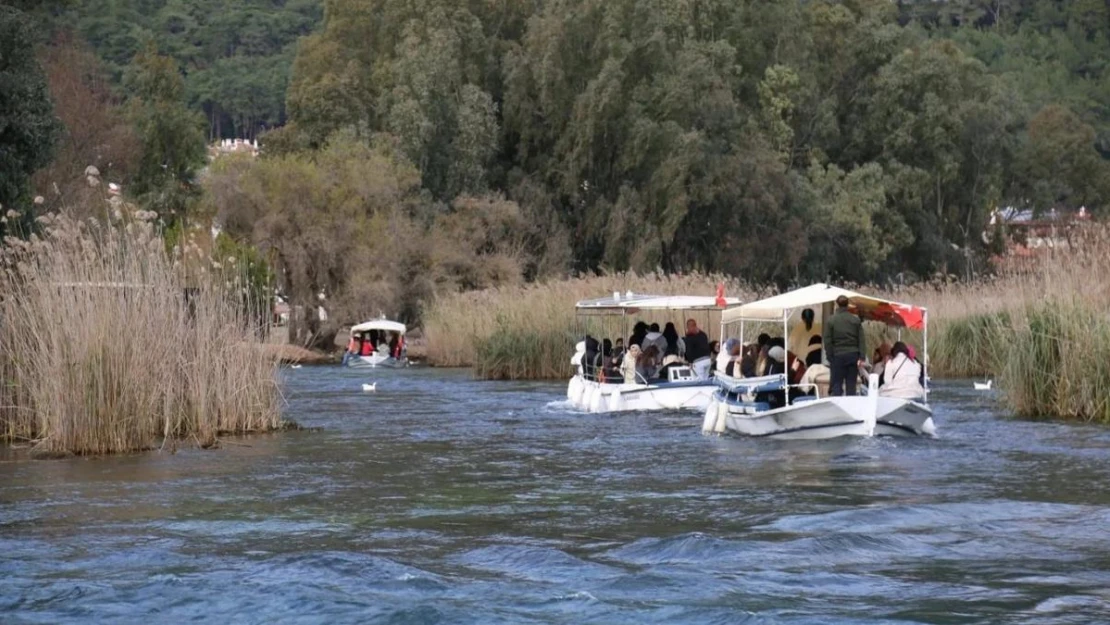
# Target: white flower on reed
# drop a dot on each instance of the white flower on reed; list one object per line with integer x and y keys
{"x": 39, "y": 200}
{"x": 12, "y": 214}
{"x": 216, "y": 265}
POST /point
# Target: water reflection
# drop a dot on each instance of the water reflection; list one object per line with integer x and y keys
{"x": 443, "y": 499}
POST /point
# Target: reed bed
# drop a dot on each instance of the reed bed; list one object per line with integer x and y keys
{"x": 108, "y": 344}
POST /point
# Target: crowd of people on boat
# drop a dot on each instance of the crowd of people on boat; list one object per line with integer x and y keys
{"x": 649, "y": 353}
{"x": 376, "y": 341}
{"x": 822, "y": 360}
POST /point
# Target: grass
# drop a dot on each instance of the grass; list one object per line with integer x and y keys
{"x": 110, "y": 345}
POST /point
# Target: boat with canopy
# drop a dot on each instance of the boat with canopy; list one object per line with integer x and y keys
{"x": 807, "y": 412}
{"x": 683, "y": 386}
{"x": 377, "y": 343}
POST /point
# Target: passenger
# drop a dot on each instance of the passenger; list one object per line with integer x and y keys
{"x": 814, "y": 355}
{"x": 845, "y": 346}
{"x": 776, "y": 357}
{"x": 725, "y": 356}
{"x": 656, "y": 338}
{"x": 628, "y": 364}
{"x": 697, "y": 342}
{"x": 748, "y": 361}
{"x": 801, "y": 333}
{"x": 670, "y": 361}
{"x": 913, "y": 356}
{"x": 601, "y": 360}
{"x": 618, "y": 354}
{"x": 815, "y": 380}
{"x": 903, "y": 375}
{"x": 647, "y": 365}
{"x": 714, "y": 353}
{"x": 590, "y": 357}
{"x": 771, "y": 344}
{"x": 675, "y": 345}
{"x": 879, "y": 359}
{"x": 639, "y": 331}
{"x": 353, "y": 345}
{"x": 761, "y": 353}
{"x": 731, "y": 369}
{"x": 398, "y": 349}
{"x": 367, "y": 347}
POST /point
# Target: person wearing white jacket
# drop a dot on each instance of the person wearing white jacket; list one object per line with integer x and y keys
{"x": 902, "y": 375}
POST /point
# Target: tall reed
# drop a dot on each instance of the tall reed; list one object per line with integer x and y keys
{"x": 107, "y": 344}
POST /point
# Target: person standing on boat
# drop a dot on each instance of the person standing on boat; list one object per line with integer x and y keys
{"x": 628, "y": 364}
{"x": 845, "y": 346}
{"x": 697, "y": 343}
{"x": 639, "y": 331}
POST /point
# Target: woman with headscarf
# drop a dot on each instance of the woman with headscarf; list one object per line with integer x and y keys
{"x": 803, "y": 332}
{"x": 714, "y": 352}
{"x": 902, "y": 375}
{"x": 628, "y": 364}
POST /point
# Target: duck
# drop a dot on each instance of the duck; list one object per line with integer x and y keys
{"x": 979, "y": 386}
{"x": 295, "y": 366}
{"x": 370, "y": 388}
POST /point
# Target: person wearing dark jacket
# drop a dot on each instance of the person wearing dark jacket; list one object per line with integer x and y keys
{"x": 845, "y": 346}
{"x": 697, "y": 343}
{"x": 671, "y": 334}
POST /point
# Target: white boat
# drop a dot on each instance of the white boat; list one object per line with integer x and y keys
{"x": 685, "y": 387}
{"x": 735, "y": 406}
{"x": 377, "y": 343}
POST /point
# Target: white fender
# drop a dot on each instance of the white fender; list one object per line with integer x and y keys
{"x": 616, "y": 402}
{"x": 574, "y": 390}
{"x": 710, "y": 420}
{"x": 722, "y": 418}
{"x": 872, "y": 403}
{"x": 596, "y": 398}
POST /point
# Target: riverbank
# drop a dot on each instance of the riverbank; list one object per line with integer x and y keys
{"x": 1042, "y": 334}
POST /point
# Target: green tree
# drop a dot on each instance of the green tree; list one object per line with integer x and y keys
{"x": 28, "y": 127}
{"x": 171, "y": 135}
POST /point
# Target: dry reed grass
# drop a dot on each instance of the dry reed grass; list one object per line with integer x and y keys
{"x": 109, "y": 345}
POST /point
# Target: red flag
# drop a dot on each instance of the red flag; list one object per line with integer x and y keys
{"x": 721, "y": 295}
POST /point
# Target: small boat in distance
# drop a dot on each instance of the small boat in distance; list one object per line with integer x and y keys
{"x": 743, "y": 405}
{"x": 377, "y": 343}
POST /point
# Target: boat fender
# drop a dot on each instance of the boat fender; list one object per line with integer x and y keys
{"x": 872, "y": 402}
{"x": 710, "y": 420}
{"x": 595, "y": 399}
{"x": 722, "y": 418}
{"x": 616, "y": 402}
{"x": 574, "y": 389}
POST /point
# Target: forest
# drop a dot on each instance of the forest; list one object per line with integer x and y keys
{"x": 413, "y": 148}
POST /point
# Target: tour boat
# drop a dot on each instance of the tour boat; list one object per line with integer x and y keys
{"x": 733, "y": 407}
{"x": 382, "y": 350}
{"x": 686, "y": 387}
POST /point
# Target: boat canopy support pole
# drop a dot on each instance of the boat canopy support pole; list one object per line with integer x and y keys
{"x": 925, "y": 357}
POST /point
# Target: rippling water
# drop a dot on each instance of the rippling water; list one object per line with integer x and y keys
{"x": 439, "y": 499}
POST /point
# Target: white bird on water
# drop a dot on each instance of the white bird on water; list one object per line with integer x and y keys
{"x": 295, "y": 366}
{"x": 979, "y": 386}
{"x": 370, "y": 388}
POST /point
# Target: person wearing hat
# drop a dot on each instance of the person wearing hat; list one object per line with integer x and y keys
{"x": 844, "y": 346}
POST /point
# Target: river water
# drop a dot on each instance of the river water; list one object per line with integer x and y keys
{"x": 440, "y": 499}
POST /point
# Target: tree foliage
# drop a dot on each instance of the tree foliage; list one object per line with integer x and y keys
{"x": 28, "y": 127}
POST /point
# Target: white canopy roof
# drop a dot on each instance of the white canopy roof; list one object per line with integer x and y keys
{"x": 630, "y": 303}
{"x": 379, "y": 324}
{"x": 866, "y": 306}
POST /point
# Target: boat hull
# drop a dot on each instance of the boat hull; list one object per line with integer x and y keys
{"x": 593, "y": 396}
{"x": 829, "y": 417}
{"x": 375, "y": 361}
